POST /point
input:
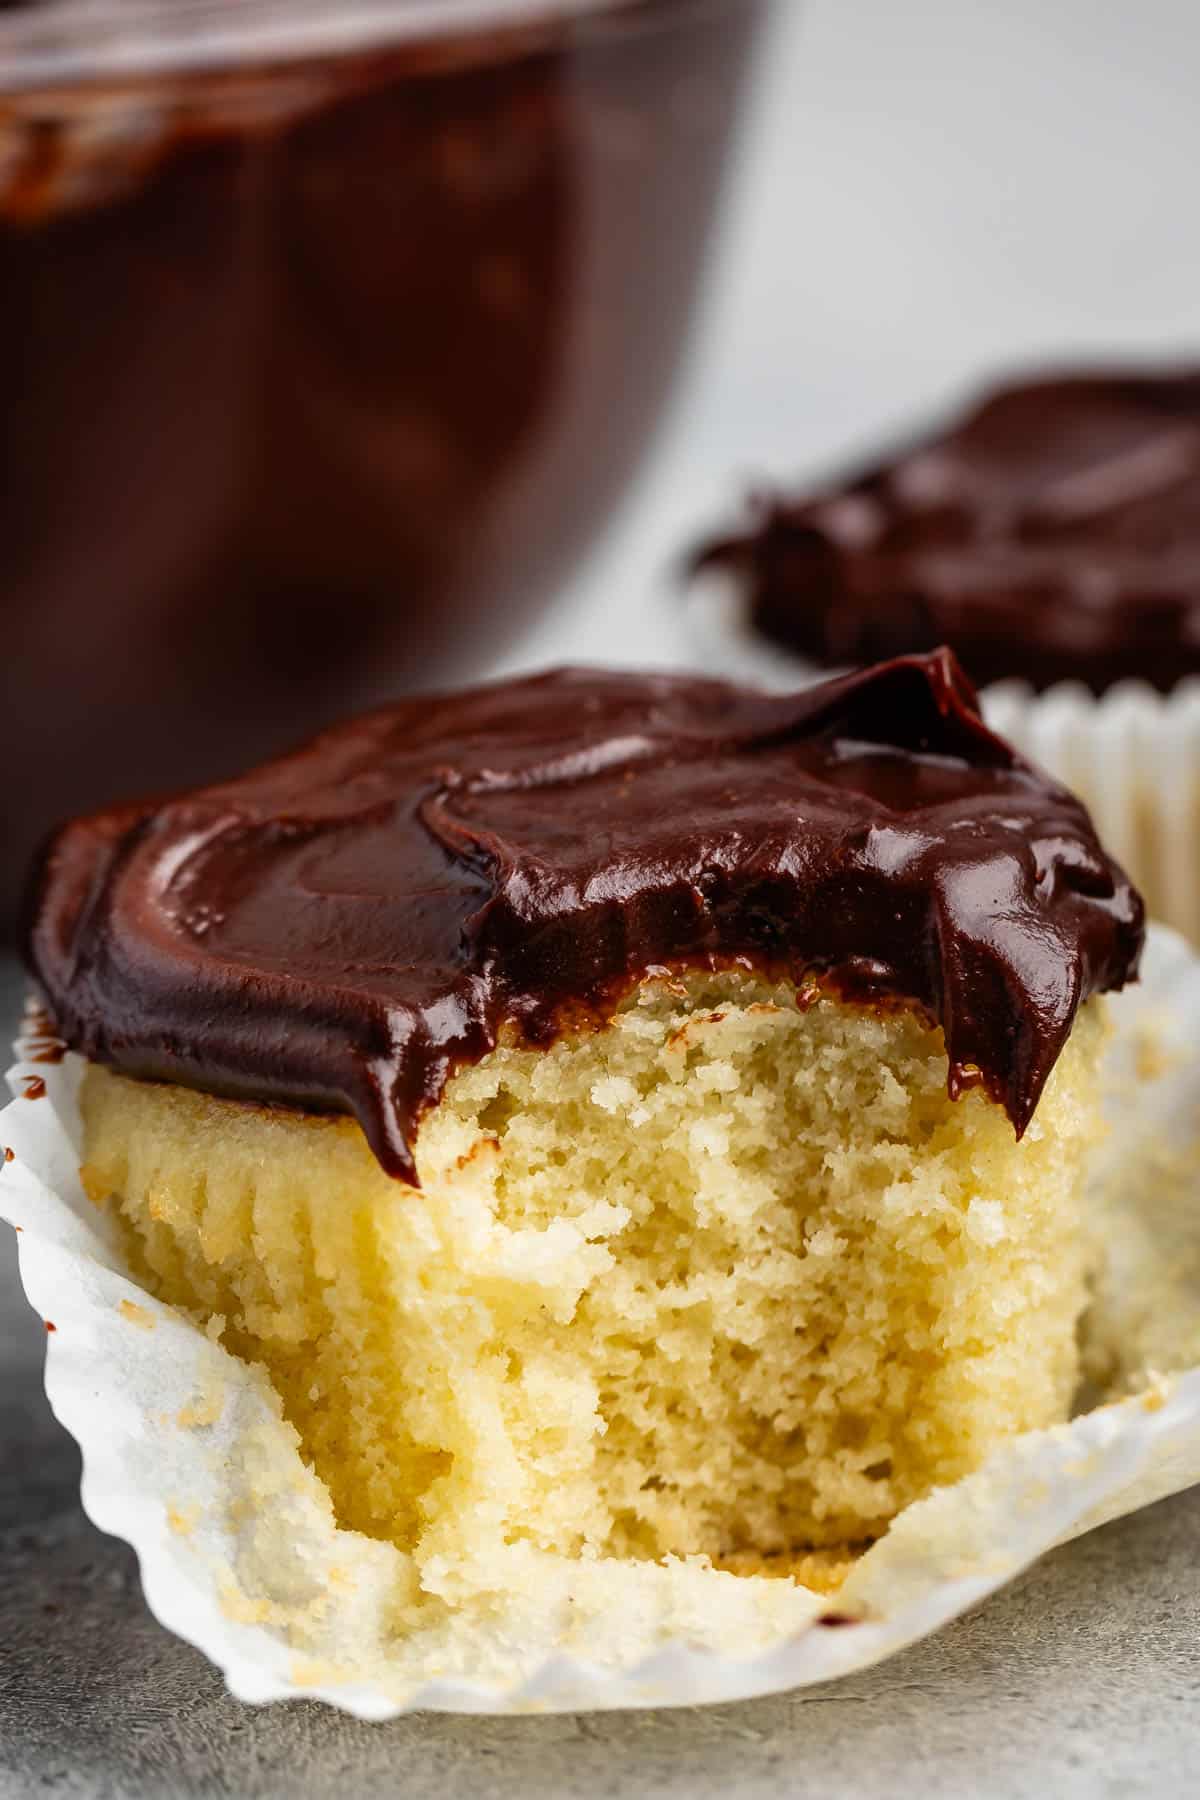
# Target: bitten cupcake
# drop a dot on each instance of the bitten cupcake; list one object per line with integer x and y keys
{"x": 1050, "y": 535}
{"x": 628, "y": 1116}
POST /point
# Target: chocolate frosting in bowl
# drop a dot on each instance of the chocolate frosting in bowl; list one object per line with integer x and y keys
{"x": 344, "y": 926}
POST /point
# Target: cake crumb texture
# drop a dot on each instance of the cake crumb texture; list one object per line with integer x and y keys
{"x": 730, "y": 1278}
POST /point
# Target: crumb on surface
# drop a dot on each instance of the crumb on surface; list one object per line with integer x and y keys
{"x": 205, "y": 1409}
{"x": 140, "y": 1316}
{"x": 311, "y": 1671}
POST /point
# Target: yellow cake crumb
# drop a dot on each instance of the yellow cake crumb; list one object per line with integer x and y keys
{"x": 204, "y": 1410}
{"x": 729, "y": 1278}
{"x": 141, "y": 1316}
{"x": 822, "y": 1571}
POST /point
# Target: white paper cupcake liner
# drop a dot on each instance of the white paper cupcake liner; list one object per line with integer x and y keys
{"x": 186, "y": 1456}
{"x": 1132, "y": 755}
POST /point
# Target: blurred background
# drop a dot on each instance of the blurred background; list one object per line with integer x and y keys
{"x": 929, "y": 195}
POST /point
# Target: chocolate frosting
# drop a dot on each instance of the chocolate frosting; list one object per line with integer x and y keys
{"x": 1052, "y": 533}
{"x": 345, "y": 926}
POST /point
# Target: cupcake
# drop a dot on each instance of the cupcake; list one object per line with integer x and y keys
{"x": 627, "y": 1116}
{"x": 1051, "y": 535}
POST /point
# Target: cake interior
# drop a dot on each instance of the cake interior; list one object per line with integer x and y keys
{"x": 730, "y": 1276}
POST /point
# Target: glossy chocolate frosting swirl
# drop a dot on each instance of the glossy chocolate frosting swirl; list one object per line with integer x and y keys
{"x": 345, "y": 926}
{"x": 1051, "y": 534}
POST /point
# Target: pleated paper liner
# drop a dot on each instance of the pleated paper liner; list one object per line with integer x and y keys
{"x": 187, "y": 1456}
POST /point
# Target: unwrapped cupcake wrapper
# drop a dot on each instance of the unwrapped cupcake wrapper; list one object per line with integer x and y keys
{"x": 186, "y": 1454}
{"x": 1132, "y": 755}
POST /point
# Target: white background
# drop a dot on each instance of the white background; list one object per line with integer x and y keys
{"x": 928, "y": 192}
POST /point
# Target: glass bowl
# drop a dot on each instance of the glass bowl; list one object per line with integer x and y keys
{"x": 329, "y": 336}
